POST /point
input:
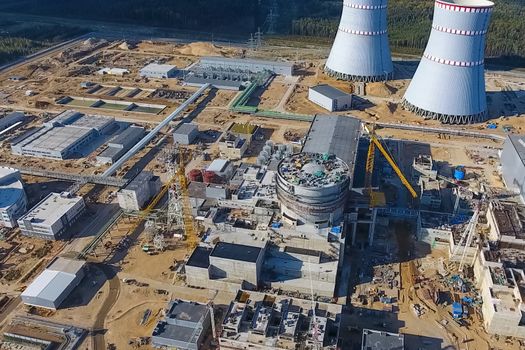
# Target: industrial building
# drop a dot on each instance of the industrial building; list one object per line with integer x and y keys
{"x": 232, "y": 147}
{"x": 186, "y": 134}
{"x": 246, "y": 64}
{"x": 139, "y": 191}
{"x": 330, "y": 98}
{"x": 63, "y": 137}
{"x": 454, "y": 53}
{"x": 185, "y": 326}
{"x": 52, "y": 217}
{"x": 513, "y": 164}
{"x": 360, "y": 51}
{"x": 236, "y": 264}
{"x": 13, "y": 199}
{"x": 11, "y": 119}
{"x": 506, "y": 223}
{"x": 158, "y": 71}
{"x": 313, "y": 188}
{"x": 120, "y": 144}
{"x": 113, "y": 71}
{"x": 264, "y": 321}
{"x": 378, "y": 340}
{"x": 54, "y": 284}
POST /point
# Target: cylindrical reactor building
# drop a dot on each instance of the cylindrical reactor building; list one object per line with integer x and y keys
{"x": 312, "y": 188}
{"x": 449, "y": 83}
{"x": 360, "y": 51}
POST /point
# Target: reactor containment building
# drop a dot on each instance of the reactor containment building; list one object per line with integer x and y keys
{"x": 449, "y": 83}
{"x": 313, "y": 188}
{"x": 360, "y": 51}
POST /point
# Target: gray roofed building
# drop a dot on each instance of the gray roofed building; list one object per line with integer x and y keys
{"x": 330, "y": 98}
{"x": 247, "y": 64}
{"x": 54, "y": 284}
{"x": 513, "y": 164}
{"x": 337, "y": 135}
{"x": 236, "y": 252}
{"x": 377, "y": 340}
{"x": 186, "y": 133}
{"x": 158, "y": 71}
{"x": 13, "y": 199}
{"x": 185, "y": 326}
{"x": 120, "y": 144}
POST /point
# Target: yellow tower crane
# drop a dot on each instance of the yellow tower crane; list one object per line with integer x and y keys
{"x": 190, "y": 233}
{"x": 378, "y": 198}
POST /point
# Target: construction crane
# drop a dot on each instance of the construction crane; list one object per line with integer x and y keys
{"x": 377, "y": 198}
{"x": 460, "y": 250}
{"x": 190, "y": 233}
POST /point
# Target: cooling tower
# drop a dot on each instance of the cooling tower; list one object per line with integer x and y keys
{"x": 449, "y": 83}
{"x": 360, "y": 51}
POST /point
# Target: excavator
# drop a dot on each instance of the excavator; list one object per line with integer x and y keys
{"x": 378, "y": 198}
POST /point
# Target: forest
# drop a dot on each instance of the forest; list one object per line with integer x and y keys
{"x": 409, "y": 21}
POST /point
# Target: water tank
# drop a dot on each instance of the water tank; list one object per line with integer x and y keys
{"x": 268, "y": 149}
{"x": 195, "y": 175}
{"x": 270, "y": 143}
{"x": 264, "y": 154}
{"x": 209, "y": 177}
{"x": 459, "y": 173}
{"x": 261, "y": 161}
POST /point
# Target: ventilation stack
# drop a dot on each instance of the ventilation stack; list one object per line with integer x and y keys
{"x": 449, "y": 83}
{"x": 360, "y": 51}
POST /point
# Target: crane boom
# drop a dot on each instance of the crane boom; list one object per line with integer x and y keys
{"x": 392, "y": 162}
{"x": 189, "y": 229}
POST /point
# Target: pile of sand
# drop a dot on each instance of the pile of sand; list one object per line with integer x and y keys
{"x": 380, "y": 89}
{"x": 200, "y": 49}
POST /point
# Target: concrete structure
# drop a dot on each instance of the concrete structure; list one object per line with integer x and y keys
{"x": 185, "y": 326}
{"x": 113, "y": 71}
{"x": 63, "y": 137}
{"x": 234, "y": 264}
{"x": 158, "y": 71}
{"x": 313, "y": 188}
{"x": 52, "y": 216}
{"x": 506, "y": 222}
{"x": 330, "y": 98}
{"x": 186, "y": 134}
{"x": 13, "y": 199}
{"x": 232, "y": 147}
{"x": 454, "y": 53}
{"x": 501, "y": 288}
{"x": 377, "y": 340}
{"x": 263, "y": 321}
{"x": 513, "y": 164}
{"x": 360, "y": 51}
{"x": 54, "y": 284}
{"x": 246, "y": 64}
{"x": 11, "y": 119}
{"x": 120, "y": 144}
{"x": 222, "y": 168}
{"x": 139, "y": 191}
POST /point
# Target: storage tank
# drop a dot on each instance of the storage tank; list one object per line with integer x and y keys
{"x": 268, "y": 149}
{"x": 449, "y": 83}
{"x": 195, "y": 175}
{"x": 210, "y": 177}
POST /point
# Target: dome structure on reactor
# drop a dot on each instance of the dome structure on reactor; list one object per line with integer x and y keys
{"x": 360, "y": 51}
{"x": 449, "y": 83}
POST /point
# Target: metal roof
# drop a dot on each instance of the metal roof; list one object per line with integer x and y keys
{"x": 218, "y": 165}
{"x": 158, "y": 68}
{"x": 131, "y": 133}
{"x": 52, "y": 282}
{"x": 51, "y": 209}
{"x": 11, "y": 188}
{"x": 238, "y": 252}
{"x": 186, "y": 129}
{"x": 233, "y": 61}
{"x": 337, "y": 135}
{"x": 200, "y": 257}
{"x": 329, "y": 91}
{"x": 518, "y": 141}
{"x": 376, "y": 340}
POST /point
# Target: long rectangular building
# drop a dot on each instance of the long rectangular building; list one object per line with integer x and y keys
{"x": 513, "y": 164}
{"x": 246, "y": 64}
{"x": 51, "y": 218}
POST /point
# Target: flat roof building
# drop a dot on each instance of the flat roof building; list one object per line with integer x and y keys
{"x": 330, "y": 98}
{"x": 13, "y": 199}
{"x": 246, "y": 64}
{"x": 139, "y": 191}
{"x": 378, "y": 340}
{"x": 120, "y": 144}
{"x": 54, "y": 284}
{"x": 185, "y": 327}
{"x": 158, "y": 71}
{"x": 11, "y": 119}
{"x": 64, "y": 136}
{"x": 513, "y": 164}
{"x": 52, "y": 216}
{"x": 186, "y": 134}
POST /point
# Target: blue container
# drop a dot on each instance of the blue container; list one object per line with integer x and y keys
{"x": 459, "y": 173}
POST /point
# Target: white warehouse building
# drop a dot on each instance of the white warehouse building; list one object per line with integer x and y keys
{"x": 51, "y": 218}
{"x": 513, "y": 164}
{"x": 158, "y": 71}
{"x": 54, "y": 284}
{"x": 330, "y": 98}
{"x": 13, "y": 199}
